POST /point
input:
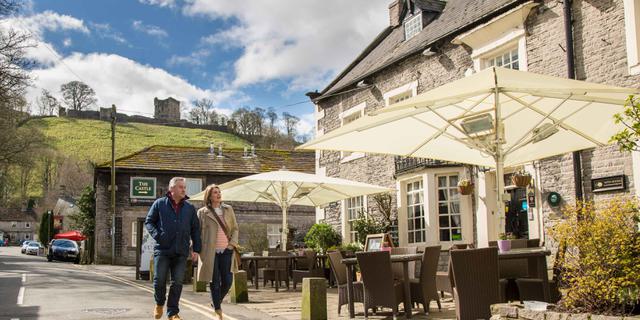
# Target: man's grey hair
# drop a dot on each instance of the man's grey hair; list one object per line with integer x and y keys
{"x": 175, "y": 180}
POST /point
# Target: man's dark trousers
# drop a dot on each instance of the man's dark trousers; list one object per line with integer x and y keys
{"x": 162, "y": 265}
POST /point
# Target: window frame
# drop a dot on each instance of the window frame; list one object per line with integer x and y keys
{"x": 632, "y": 35}
{"x": 186, "y": 182}
{"x": 279, "y": 234}
{"x": 449, "y": 187}
{"x": 409, "y": 87}
{"x": 492, "y": 57}
{"x": 411, "y": 231}
{"x": 352, "y": 234}
{"x": 410, "y": 23}
{"x": 134, "y": 233}
{"x": 346, "y": 156}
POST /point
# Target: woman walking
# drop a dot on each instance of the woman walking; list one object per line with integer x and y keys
{"x": 219, "y": 239}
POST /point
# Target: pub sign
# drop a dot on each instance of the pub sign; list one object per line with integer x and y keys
{"x": 143, "y": 188}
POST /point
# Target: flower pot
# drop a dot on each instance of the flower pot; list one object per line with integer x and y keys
{"x": 521, "y": 180}
{"x": 466, "y": 190}
{"x": 358, "y": 276}
{"x": 504, "y": 245}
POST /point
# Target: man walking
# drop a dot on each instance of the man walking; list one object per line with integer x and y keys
{"x": 173, "y": 223}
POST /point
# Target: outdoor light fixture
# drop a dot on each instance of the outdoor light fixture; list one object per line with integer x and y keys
{"x": 428, "y": 52}
{"x": 363, "y": 84}
{"x": 542, "y": 132}
{"x": 478, "y": 124}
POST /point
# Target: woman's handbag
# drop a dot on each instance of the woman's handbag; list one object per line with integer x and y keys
{"x": 236, "y": 253}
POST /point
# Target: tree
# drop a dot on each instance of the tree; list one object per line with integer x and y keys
{"x": 47, "y": 104}
{"x": 628, "y": 138}
{"x": 43, "y": 230}
{"x": 85, "y": 221}
{"x": 77, "y": 95}
{"x": 273, "y": 117}
{"x": 290, "y": 122}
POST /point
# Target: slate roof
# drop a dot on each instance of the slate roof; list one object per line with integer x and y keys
{"x": 193, "y": 159}
{"x": 389, "y": 46}
{"x": 15, "y": 214}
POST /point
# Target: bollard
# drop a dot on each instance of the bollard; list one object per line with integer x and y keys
{"x": 198, "y": 286}
{"x": 238, "y": 290}
{"x": 314, "y": 299}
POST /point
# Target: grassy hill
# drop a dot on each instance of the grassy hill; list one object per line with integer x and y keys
{"x": 91, "y": 139}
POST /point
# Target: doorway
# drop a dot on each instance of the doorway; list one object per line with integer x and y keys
{"x": 516, "y": 213}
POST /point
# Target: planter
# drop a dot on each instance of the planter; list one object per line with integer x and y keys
{"x": 466, "y": 190}
{"x": 521, "y": 180}
{"x": 504, "y": 245}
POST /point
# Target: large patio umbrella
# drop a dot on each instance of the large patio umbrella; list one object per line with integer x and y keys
{"x": 286, "y": 188}
{"x": 496, "y": 118}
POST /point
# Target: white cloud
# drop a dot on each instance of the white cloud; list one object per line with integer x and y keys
{"x": 47, "y": 21}
{"x": 307, "y": 42}
{"x": 195, "y": 59}
{"x": 306, "y": 125}
{"x": 149, "y": 29}
{"x": 129, "y": 85}
{"x": 67, "y": 42}
{"x": 105, "y": 31}
{"x": 160, "y": 3}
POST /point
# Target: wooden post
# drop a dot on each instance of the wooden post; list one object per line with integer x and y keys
{"x": 239, "y": 292}
{"x": 314, "y": 299}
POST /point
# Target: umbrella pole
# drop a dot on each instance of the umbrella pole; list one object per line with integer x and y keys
{"x": 285, "y": 228}
{"x": 499, "y": 158}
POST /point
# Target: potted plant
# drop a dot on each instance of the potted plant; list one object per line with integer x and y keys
{"x": 465, "y": 187}
{"x": 521, "y": 178}
{"x": 504, "y": 241}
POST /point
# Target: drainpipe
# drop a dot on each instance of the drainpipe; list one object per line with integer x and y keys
{"x": 571, "y": 74}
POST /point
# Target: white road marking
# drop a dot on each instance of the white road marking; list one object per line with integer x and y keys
{"x": 24, "y": 277}
{"x": 201, "y": 309}
{"x": 20, "y": 296}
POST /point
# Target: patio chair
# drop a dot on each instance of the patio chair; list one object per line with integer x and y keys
{"x": 533, "y": 243}
{"x": 444, "y": 282}
{"x": 380, "y": 289}
{"x": 340, "y": 273}
{"x": 423, "y": 289}
{"x": 279, "y": 266}
{"x": 532, "y": 289}
{"x": 477, "y": 287}
{"x": 398, "y": 272}
{"x": 306, "y": 268}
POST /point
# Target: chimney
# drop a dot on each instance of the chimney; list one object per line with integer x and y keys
{"x": 395, "y": 10}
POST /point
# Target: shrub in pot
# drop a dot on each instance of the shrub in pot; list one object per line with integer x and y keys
{"x": 521, "y": 179}
{"x": 504, "y": 241}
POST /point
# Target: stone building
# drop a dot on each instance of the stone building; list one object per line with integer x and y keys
{"x": 17, "y": 225}
{"x": 167, "y": 109}
{"x": 144, "y": 176}
{"x": 429, "y": 43}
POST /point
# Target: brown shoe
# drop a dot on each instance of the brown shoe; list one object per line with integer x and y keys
{"x": 175, "y": 317}
{"x": 157, "y": 312}
{"x": 219, "y": 313}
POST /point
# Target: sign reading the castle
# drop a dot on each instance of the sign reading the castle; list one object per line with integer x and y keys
{"x": 609, "y": 184}
{"x": 143, "y": 188}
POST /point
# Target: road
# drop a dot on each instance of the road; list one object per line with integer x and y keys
{"x": 32, "y": 288}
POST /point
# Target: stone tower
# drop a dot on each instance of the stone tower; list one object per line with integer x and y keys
{"x": 167, "y": 109}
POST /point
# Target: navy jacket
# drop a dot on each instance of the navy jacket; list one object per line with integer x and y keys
{"x": 172, "y": 232}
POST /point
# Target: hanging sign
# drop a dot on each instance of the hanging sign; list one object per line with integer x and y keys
{"x": 531, "y": 199}
{"x": 142, "y": 188}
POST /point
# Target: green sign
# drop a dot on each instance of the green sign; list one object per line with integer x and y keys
{"x": 554, "y": 199}
{"x": 143, "y": 188}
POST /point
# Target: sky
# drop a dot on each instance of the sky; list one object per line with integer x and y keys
{"x": 238, "y": 53}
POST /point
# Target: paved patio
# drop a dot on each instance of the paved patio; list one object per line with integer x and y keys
{"x": 287, "y": 304}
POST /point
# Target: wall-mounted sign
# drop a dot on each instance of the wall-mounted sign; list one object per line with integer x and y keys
{"x": 609, "y": 184}
{"x": 143, "y": 188}
{"x": 531, "y": 199}
{"x": 554, "y": 199}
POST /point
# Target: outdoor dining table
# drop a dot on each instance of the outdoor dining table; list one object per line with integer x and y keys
{"x": 396, "y": 258}
{"x": 255, "y": 260}
{"x": 537, "y": 257}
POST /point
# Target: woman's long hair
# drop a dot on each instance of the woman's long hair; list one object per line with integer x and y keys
{"x": 207, "y": 195}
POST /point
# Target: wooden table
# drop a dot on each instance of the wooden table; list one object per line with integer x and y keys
{"x": 396, "y": 258}
{"x": 255, "y": 260}
{"x": 533, "y": 255}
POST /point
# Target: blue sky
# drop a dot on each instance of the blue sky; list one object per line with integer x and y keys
{"x": 264, "y": 53}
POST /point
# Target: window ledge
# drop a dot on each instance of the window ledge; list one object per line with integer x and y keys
{"x": 353, "y": 156}
{"x": 635, "y": 69}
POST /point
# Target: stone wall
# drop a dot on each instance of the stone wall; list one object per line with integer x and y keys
{"x": 505, "y": 311}
{"x": 129, "y": 212}
{"x": 600, "y": 55}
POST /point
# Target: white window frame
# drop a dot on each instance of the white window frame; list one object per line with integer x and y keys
{"x": 410, "y": 30}
{"x": 506, "y": 31}
{"x": 411, "y": 87}
{"x": 346, "y": 222}
{"x": 409, "y": 207}
{"x": 350, "y": 156}
{"x": 350, "y": 206}
{"x": 632, "y": 32}
{"x": 488, "y": 60}
{"x": 27, "y": 225}
{"x": 134, "y": 233}
{"x": 188, "y": 180}
{"x": 450, "y": 188}
{"x": 275, "y": 235}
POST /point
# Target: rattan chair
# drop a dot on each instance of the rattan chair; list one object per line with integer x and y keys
{"x": 477, "y": 287}
{"x": 423, "y": 289}
{"x": 279, "y": 266}
{"x": 398, "y": 272}
{"x": 380, "y": 289}
{"x": 444, "y": 283}
{"x": 340, "y": 273}
{"x": 306, "y": 268}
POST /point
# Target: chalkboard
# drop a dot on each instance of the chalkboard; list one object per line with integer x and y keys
{"x": 375, "y": 242}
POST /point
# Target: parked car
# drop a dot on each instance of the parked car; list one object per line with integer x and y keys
{"x": 34, "y": 248}
{"x": 25, "y": 244}
{"x": 64, "y": 250}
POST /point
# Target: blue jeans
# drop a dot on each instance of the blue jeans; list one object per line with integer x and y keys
{"x": 162, "y": 265}
{"x": 222, "y": 277}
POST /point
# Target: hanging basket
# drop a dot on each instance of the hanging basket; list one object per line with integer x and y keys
{"x": 521, "y": 181}
{"x": 466, "y": 190}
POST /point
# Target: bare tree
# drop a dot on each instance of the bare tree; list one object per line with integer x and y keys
{"x": 273, "y": 117}
{"x": 290, "y": 122}
{"x": 77, "y": 95}
{"x": 47, "y": 104}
